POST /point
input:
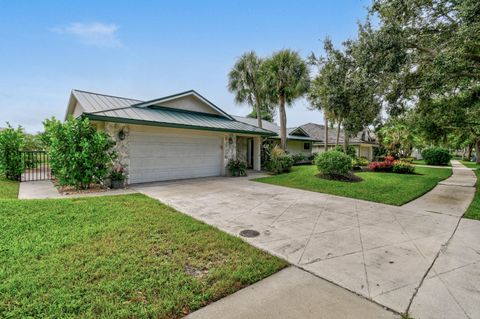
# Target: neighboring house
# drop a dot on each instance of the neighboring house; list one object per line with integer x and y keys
{"x": 308, "y": 139}
{"x": 363, "y": 142}
{"x": 298, "y": 141}
{"x": 174, "y": 137}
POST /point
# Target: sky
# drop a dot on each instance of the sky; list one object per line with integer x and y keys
{"x": 150, "y": 49}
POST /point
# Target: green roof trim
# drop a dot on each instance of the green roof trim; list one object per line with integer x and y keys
{"x": 97, "y": 117}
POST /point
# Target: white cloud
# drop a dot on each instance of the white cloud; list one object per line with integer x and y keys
{"x": 95, "y": 33}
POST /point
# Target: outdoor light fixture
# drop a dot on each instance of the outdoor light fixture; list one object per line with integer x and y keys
{"x": 121, "y": 135}
{"x": 230, "y": 140}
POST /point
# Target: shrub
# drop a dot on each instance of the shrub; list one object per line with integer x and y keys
{"x": 312, "y": 157}
{"x": 436, "y": 156}
{"x": 11, "y": 143}
{"x": 237, "y": 167}
{"x": 281, "y": 164}
{"x": 359, "y": 161}
{"x": 385, "y": 166}
{"x": 279, "y": 161}
{"x": 402, "y": 167}
{"x": 350, "y": 150}
{"x": 79, "y": 155}
{"x": 297, "y": 158}
{"x": 333, "y": 163}
{"x": 408, "y": 159}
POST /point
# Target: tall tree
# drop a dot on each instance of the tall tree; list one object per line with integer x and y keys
{"x": 316, "y": 96}
{"x": 426, "y": 54}
{"x": 344, "y": 89}
{"x": 245, "y": 81}
{"x": 286, "y": 77}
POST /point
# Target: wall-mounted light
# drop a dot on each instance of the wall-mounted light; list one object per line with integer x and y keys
{"x": 121, "y": 135}
{"x": 230, "y": 140}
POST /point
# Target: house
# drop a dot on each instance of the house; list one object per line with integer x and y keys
{"x": 364, "y": 142}
{"x": 174, "y": 137}
{"x": 298, "y": 141}
{"x": 308, "y": 139}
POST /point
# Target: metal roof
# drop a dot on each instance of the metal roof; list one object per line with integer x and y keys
{"x": 274, "y": 128}
{"x": 94, "y": 102}
{"x": 176, "y": 118}
{"x": 119, "y": 109}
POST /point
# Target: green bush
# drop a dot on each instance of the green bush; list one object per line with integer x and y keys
{"x": 237, "y": 167}
{"x": 408, "y": 159}
{"x": 402, "y": 167}
{"x": 333, "y": 163}
{"x": 350, "y": 150}
{"x": 436, "y": 156}
{"x": 297, "y": 158}
{"x": 11, "y": 144}
{"x": 79, "y": 155}
{"x": 281, "y": 164}
{"x": 359, "y": 161}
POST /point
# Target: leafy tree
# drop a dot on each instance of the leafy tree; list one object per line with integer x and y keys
{"x": 245, "y": 80}
{"x": 426, "y": 55}
{"x": 11, "y": 144}
{"x": 342, "y": 88}
{"x": 399, "y": 135}
{"x": 79, "y": 154}
{"x": 286, "y": 78}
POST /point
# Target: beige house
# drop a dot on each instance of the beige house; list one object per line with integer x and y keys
{"x": 174, "y": 137}
{"x": 364, "y": 142}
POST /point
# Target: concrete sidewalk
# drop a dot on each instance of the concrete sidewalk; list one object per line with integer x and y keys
{"x": 46, "y": 190}
{"x": 292, "y": 293}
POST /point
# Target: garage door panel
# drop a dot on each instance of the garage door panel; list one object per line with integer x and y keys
{"x": 158, "y": 156}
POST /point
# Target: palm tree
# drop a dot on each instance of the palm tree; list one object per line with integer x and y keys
{"x": 245, "y": 81}
{"x": 286, "y": 78}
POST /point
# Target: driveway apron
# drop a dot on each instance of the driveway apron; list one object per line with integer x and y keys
{"x": 378, "y": 251}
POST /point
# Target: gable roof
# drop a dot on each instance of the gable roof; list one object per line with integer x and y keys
{"x": 193, "y": 93}
{"x": 276, "y": 129}
{"x": 125, "y": 110}
{"x": 317, "y": 131}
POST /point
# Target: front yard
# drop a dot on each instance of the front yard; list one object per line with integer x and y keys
{"x": 116, "y": 257}
{"x": 8, "y": 189}
{"x": 388, "y": 188}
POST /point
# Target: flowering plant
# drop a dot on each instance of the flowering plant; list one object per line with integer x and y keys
{"x": 118, "y": 173}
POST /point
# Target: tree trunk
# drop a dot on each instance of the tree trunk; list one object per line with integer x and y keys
{"x": 345, "y": 141}
{"x": 259, "y": 112}
{"x": 326, "y": 132}
{"x": 470, "y": 149}
{"x": 338, "y": 132}
{"x": 477, "y": 150}
{"x": 283, "y": 123}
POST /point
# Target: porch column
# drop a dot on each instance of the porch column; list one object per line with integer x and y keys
{"x": 257, "y": 147}
{"x": 229, "y": 151}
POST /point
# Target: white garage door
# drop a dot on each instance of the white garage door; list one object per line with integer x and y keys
{"x": 166, "y": 156}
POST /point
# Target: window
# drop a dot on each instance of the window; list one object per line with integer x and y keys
{"x": 306, "y": 146}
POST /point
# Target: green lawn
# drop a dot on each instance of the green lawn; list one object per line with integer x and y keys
{"x": 470, "y": 164}
{"x": 473, "y": 210}
{"x": 116, "y": 257}
{"x": 388, "y": 188}
{"x": 8, "y": 189}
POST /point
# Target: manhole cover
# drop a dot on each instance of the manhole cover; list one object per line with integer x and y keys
{"x": 249, "y": 233}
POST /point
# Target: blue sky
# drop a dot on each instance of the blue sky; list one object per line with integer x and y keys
{"x": 148, "y": 49}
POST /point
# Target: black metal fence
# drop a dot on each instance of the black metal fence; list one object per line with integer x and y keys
{"x": 35, "y": 166}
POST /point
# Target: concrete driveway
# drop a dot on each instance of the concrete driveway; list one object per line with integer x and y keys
{"x": 379, "y": 251}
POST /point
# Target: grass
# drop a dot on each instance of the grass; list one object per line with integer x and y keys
{"x": 470, "y": 164}
{"x": 116, "y": 257}
{"x": 473, "y": 211}
{"x": 388, "y": 188}
{"x": 422, "y": 162}
{"x": 8, "y": 189}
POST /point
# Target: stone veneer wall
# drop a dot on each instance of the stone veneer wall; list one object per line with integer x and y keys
{"x": 112, "y": 129}
{"x": 242, "y": 149}
{"x": 229, "y": 150}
